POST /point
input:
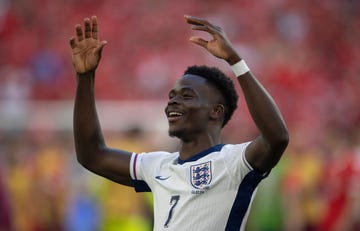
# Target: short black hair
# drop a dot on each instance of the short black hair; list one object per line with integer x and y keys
{"x": 220, "y": 81}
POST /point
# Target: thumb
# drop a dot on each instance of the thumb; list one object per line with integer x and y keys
{"x": 99, "y": 48}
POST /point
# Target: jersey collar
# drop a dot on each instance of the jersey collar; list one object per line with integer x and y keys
{"x": 215, "y": 148}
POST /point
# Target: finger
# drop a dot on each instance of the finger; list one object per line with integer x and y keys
{"x": 196, "y": 21}
{"x": 94, "y": 30}
{"x": 87, "y": 28}
{"x": 72, "y": 42}
{"x": 193, "y": 20}
{"x": 202, "y": 24}
{"x": 210, "y": 30}
{"x": 79, "y": 32}
{"x": 199, "y": 41}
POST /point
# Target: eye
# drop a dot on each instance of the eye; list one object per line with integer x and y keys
{"x": 187, "y": 94}
{"x": 171, "y": 95}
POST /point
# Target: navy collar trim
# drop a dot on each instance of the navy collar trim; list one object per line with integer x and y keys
{"x": 215, "y": 148}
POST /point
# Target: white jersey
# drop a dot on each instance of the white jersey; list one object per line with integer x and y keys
{"x": 211, "y": 191}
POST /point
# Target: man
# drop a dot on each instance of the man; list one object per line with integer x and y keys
{"x": 207, "y": 185}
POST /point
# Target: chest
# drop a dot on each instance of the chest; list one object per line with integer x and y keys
{"x": 193, "y": 178}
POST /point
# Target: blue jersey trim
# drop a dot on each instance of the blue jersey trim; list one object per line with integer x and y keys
{"x": 215, "y": 148}
{"x": 141, "y": 186}
{"x": 243, "y": 199}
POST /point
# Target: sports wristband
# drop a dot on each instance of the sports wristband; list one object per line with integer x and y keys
{"x": 240, "y": 68}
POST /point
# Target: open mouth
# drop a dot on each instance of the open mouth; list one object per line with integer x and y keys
{"x": 174, "y": 116}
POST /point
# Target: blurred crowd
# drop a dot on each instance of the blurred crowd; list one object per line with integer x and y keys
{"x": 43, "y": 187}
{"x": 305, "y": 52}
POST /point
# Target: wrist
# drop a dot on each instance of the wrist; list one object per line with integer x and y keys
{"x": 86, "y": 74}
{"x": 233, "y": 59}
{"x": 240, "y": 68}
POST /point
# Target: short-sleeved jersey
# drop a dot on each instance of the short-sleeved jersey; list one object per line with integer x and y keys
{"x": 211, "y": 191}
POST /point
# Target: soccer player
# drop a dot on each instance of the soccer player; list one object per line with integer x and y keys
{"x": 206, "y": 185}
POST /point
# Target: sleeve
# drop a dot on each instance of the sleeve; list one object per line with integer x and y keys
{"x": 238, "y": 166}
{"x": 136, "y": 174}
{"x": 142, "y": 169}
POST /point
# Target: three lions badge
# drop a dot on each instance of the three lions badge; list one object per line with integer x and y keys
{"x": 201, "y": 175}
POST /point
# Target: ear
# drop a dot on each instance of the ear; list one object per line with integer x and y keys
{"x": 218, "y": 112}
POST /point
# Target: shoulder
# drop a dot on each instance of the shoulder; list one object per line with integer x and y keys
{"x": 143, "y": 164}
{"x": 155, "y": 156}
{"x": 235, "y": 148}
{"x": 234, "y": 156}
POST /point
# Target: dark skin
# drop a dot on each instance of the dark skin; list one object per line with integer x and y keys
{"x": 198, "y": 126}
{"x": 195, "y": 99}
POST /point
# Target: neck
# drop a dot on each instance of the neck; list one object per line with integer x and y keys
{"x": 194, "y": 146}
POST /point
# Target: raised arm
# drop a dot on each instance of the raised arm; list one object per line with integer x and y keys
{"x": 265, "y": 151}
{"x": 91, "y": 150}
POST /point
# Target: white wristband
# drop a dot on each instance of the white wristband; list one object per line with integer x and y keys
{"x": 240, "y": 68}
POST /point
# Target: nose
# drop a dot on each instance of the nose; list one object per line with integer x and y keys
{"x": 174, "y": 100}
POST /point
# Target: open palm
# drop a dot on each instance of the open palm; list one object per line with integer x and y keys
{"x": 86, "y": 47}
{"x": 219, "y": 45}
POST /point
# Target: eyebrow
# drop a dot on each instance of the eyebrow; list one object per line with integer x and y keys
{"x": 182, "y": 90}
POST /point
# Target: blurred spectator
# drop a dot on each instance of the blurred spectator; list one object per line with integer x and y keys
{"x": 134, "y": 213}
{"x": 5, "y": 210}
{"x": 340, "y": 185}
{"x": 83, "y": 213}
{"x": 46, "y": 67}
{"x": 302, "y": 201}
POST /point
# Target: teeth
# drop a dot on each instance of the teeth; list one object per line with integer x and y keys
{"x": 175, "y": 114}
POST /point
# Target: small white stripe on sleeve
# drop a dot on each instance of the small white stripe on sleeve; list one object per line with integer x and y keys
{"x": 132, "y": 166}
{"x": 244, "y": 158}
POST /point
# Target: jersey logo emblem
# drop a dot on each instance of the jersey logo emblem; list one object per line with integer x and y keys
{"x": 201, "y": 175}
{"x": 162, "y": 178}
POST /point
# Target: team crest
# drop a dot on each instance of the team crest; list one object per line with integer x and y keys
{"x": 201, "y": 175}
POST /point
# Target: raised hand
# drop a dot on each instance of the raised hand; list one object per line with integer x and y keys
{"x": 219, "y": 45}
{"x": 86, "y": 47}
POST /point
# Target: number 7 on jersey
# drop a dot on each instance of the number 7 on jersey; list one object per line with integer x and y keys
{"x": 173, "y": 202}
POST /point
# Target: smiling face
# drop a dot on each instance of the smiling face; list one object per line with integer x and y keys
{"x": 191, "y": 105}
